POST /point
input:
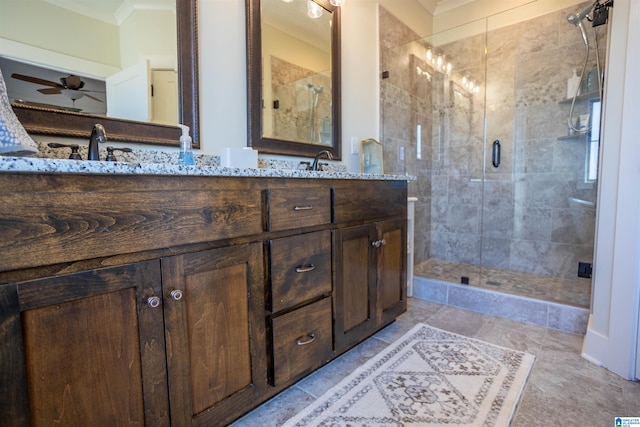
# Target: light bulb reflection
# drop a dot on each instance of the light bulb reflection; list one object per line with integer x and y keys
{"x": 314, "y": 10}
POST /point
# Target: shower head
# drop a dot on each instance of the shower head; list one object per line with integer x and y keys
{"x": 318, "y": 89}
{"x": 577, "y": 21}
{"x": 578, "y": 17}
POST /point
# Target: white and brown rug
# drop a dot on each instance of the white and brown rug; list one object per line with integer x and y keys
{"x": 428, "y": 377}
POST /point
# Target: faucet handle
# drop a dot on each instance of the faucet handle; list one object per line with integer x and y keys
{"x": 305, "y": 165}
{"x": 74, "y": 149}
{"x": 112, "y": 157}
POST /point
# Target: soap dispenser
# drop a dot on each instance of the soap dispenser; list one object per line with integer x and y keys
{"x": 186, "y": 155}
{"x": 573, "y": 85}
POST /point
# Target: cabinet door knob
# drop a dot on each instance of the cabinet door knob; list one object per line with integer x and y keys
{"x": 176, "y": 294}
{"x": 305, "y": 268}
{"x": 153, "y": 302}
{"x": 309, "y": 339}
{"x": 379, "y": 243}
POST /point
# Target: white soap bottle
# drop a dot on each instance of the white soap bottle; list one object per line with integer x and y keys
{"x": 573, "y": 85}
{"x": 186, "y": 155}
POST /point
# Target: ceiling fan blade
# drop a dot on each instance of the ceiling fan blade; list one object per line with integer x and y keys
{"x": 93, "y": 97}
{"x": 36, "y": 80}
{"x": 50, "y": 91}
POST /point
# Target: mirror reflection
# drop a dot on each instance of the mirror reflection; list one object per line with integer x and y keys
{"x": 296, "y": 71}
{"x": 94, "y": 57}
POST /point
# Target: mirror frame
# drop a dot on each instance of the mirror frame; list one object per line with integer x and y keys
{"x": 51, "y": 122}
{"x": 254, "y": 89}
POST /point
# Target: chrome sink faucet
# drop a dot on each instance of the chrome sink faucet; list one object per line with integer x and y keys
{"x": 314, "y": 165}
{"x": 98, "y": 134}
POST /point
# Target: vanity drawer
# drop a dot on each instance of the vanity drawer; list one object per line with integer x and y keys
{"x": 300, "y": 268}
{"x": 289, "y": 208}
{"x": 302, "y": 340}
{"x": 370, "y": 200}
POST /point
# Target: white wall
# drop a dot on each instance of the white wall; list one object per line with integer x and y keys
{"x": 29, "y": 22}
{"x": 223, "y": 72}
{"x": 360, "y": 77}
{"x": 611, "y": 339}
{"x": 223, "y": 76}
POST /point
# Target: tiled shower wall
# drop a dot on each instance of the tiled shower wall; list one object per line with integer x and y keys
{"x": 292, "y": 86}
{"x": 536, "y": 212}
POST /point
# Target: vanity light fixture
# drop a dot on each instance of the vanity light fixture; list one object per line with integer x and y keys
{"x": 338, "y": 3}
{"x": 314, "y": 10}
{"x": 287, "y": 1}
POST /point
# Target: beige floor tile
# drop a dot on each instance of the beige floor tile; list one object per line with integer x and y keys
{"x": 563, "y": 388}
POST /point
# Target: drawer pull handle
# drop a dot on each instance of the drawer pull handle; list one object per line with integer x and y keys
{"x": 303, "y": 208}
{"x": 176, "y": 295}
{"x": 305, "y": 268}
{"x": 153, "y": 302}
{"x": 302, "y": 341}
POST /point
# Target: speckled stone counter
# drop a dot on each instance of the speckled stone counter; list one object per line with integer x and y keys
{"x": 40, "y": 165}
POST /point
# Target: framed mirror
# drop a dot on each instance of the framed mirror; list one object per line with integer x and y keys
{"x": 52, "y": 121}
{"x": 293, "y": 53}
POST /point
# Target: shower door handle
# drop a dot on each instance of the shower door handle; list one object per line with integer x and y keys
{"x": 495, "y": 154}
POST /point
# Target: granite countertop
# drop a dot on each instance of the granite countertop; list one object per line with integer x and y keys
{"x": 47, "y": 165}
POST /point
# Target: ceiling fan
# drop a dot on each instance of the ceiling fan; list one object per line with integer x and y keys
{"x": 70, "y": 86}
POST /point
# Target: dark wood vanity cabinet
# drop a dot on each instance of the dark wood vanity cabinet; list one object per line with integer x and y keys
{"x": 370, "y": 260}
{"x": 370, "y": 279}
{"x": 84, "y": 349}
{"x": 157, "y": 309}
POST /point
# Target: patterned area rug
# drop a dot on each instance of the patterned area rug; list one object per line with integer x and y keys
{"x": 429, "y": 377}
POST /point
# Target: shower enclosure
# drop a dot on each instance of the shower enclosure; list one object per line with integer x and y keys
{"x": 506, "y": 188}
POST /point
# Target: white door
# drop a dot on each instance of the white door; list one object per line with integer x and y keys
{"x": 165, "y": 97}
{"x": 129, "y": 93}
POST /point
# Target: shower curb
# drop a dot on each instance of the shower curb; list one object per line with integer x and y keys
{"x": 552, "y": 315}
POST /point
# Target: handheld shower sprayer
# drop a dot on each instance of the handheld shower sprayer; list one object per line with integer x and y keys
{"x": 578, "y": 18}
{"x": 583, "y": 30}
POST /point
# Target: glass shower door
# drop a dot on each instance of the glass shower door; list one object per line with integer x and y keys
{"x": 450, "y": 167}
{"x": 538, "y": 215}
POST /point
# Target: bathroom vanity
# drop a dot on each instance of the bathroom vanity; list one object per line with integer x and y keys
{"x": 187, "y": 300}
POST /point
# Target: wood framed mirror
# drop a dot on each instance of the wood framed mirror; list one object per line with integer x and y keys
{"x": 56, "y": 122}
{"x": 293, "y": 72}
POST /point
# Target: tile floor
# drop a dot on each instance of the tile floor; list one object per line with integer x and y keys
{"x": 575, "y": 292}
{"x": 563, "y": 388}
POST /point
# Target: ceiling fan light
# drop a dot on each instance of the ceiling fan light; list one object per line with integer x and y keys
{"x": 338, "y": 2}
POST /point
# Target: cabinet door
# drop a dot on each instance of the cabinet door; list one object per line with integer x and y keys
{"x": 391, "y": 262}
{"x": 215, "y": 332}
{"x": 354, "y": 286}
{"x": 90, "y": 350}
